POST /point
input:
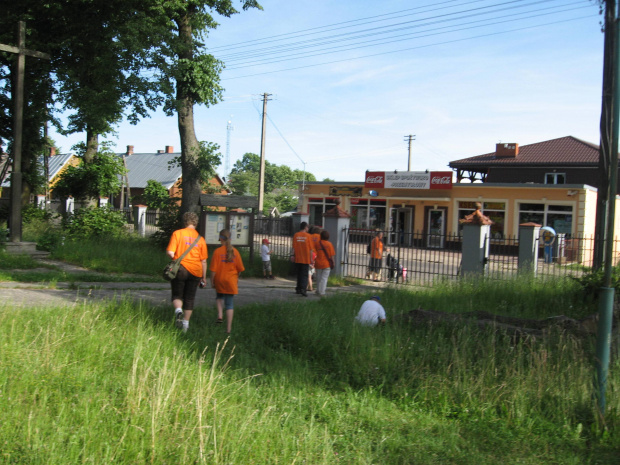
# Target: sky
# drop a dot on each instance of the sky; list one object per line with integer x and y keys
{"x": 349, "y": 81}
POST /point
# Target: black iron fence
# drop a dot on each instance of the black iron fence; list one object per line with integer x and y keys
{"x": 420, "y": 258}
{"x": 279, "y": 232}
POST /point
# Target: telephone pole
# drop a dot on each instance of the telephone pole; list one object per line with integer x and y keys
{"x": 409, "y": 138}
{"x": 261, "y": 176}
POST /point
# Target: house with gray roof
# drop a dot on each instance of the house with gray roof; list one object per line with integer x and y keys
{"x": 160, "y": 166}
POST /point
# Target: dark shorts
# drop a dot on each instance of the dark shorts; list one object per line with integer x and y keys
{"x": 184, "y": 288}
{"x": 267, "y": 266}
{"x": 375, "y": 265}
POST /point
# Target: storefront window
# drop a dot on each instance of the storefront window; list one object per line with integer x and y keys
{"x": 559, "y": 217}
{"x": 496, "y": 211}
{"x": 318, "y": 206}
{"x": 368, "y": 214}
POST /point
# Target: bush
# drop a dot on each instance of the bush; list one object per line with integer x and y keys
{"x": 90, "y": 221}
{"x": 32, "y": 213}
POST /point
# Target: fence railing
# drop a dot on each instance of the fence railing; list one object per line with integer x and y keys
{"x": 279, "y": 232}
{"x": 421, "y": 258}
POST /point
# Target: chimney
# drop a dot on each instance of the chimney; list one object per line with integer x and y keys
{"x": 160, "y": 151}
{"x": 169, "y": 149}
{"x": 506, "y": 150}
{"x": 129, "y": 150}
{"x": 52, "y": 151}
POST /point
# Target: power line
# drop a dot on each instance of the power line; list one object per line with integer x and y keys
{"x": 506, "y": 31}
{"x": 393, "y": 39}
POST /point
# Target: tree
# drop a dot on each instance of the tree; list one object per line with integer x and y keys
{"x": 281, "y": 188}
{"x": 99, "y": 178}
{"x": 190, "y": 76}
{"x": 99, "y": 50}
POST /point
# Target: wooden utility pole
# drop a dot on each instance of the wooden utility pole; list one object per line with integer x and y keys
{"x": 261, "y": 175}
{"x": 18, "y": 119}
{"x": 409, "y": 138}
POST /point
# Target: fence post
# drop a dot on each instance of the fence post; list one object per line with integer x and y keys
{"x": 69, "y": 205}
{"x": 528, "y": 248}
{"x": 139, "y": 219}
{"x": 336, "y": 220}
{"x": 475, "y": 248}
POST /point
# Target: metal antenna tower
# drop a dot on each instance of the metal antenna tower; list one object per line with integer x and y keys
{"x": 229, "y": 129}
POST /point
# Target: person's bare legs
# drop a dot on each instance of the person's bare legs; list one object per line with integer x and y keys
{"x": 219, "y": 303}
{"x": 229, "y": 317}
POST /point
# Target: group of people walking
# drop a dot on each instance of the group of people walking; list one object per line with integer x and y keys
{"x": 310, "y": 248}
{"x": 225, "y": 267}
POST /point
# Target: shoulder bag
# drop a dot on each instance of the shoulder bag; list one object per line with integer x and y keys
{"x": 172, "y": 268}
{"x": 329, "y": 259}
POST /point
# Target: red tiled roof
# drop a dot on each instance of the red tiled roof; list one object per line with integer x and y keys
{"x": 563, "y": 151}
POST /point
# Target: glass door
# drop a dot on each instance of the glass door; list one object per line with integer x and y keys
{"x": 435, "y": 234}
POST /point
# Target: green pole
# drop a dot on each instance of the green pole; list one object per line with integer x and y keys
{"x": 607, "y": 292}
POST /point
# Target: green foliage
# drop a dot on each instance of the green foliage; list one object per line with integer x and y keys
{"x": 32, "y": 213}
{"x": 592, "y": 282}
{"x": 281, "y": 188}
{"x": 100, "y": 178}
{"x": 168, "y": 222}
{"x": 156, "y": 195}
{"x": 206, "y": 162}
{"x": 98, "y": 222}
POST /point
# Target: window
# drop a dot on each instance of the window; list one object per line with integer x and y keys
{"x": 368, "y": 214}
{"x": 559, "y": 217}
{"x": 555, "y": 178}
{"x": 318, "y": 206}
{"x": 496, "y": 211}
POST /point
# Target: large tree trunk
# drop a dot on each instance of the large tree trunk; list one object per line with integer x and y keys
{"x": 185, "y": 114}
{"x": 92, "y": 146}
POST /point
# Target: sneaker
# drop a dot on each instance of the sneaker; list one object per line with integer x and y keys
{"x": 178, "y": 320}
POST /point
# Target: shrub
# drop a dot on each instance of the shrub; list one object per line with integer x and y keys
{"x": 90, "y": 221}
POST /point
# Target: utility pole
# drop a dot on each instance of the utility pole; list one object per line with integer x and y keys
{"x": 609, "y": 159}
{"x": 229, "y": 129}
{"x": 261, "y": 176}
{"x": 18, "y": 120}
{"x": 409, "y": 138}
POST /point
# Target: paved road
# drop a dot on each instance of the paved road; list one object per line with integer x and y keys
{"x": 251, "y": 290}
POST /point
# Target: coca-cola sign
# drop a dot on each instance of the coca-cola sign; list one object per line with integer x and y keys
{"x": 374, "y": 179}
{"x": 441, "y": 180}
{"x": 408, "y": 180}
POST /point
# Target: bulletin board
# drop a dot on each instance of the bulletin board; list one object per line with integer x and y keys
{"x": 239, "y": 225}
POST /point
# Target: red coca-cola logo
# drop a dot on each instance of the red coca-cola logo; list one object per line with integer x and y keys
{"x": 374, "y": 180}
{"x": 441, "y": 180}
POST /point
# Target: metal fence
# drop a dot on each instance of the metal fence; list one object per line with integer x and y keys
{"x": 423, "y": 259}
{"x": 279, "y": 232}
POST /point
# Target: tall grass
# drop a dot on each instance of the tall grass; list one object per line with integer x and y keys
{"x": 300, "y": 383}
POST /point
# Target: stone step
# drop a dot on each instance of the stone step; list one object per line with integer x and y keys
{"x": 27, "y": 248}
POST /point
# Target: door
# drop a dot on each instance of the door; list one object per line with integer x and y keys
{"x": 435, "y": 235}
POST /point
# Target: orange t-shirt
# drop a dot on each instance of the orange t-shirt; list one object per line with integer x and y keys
{"x": 180, "y": 240}
{"x": 226, "y": 273}
{"x": 376, "y": 248}
{"x": 321, "y": 255}
{"x": 303, "y": 245}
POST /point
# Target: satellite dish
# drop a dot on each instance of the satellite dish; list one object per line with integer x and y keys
{"x": 373, "y": 193}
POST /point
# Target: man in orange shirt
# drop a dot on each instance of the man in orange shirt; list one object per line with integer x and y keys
{"x": 302, "y": 250}
{"x": 376, "y": 255}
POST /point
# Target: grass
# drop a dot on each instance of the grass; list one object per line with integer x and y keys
{"x": 299, "y": 383}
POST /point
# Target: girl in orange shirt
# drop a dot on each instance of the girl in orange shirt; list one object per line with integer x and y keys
{"x": 226, "y": 265}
